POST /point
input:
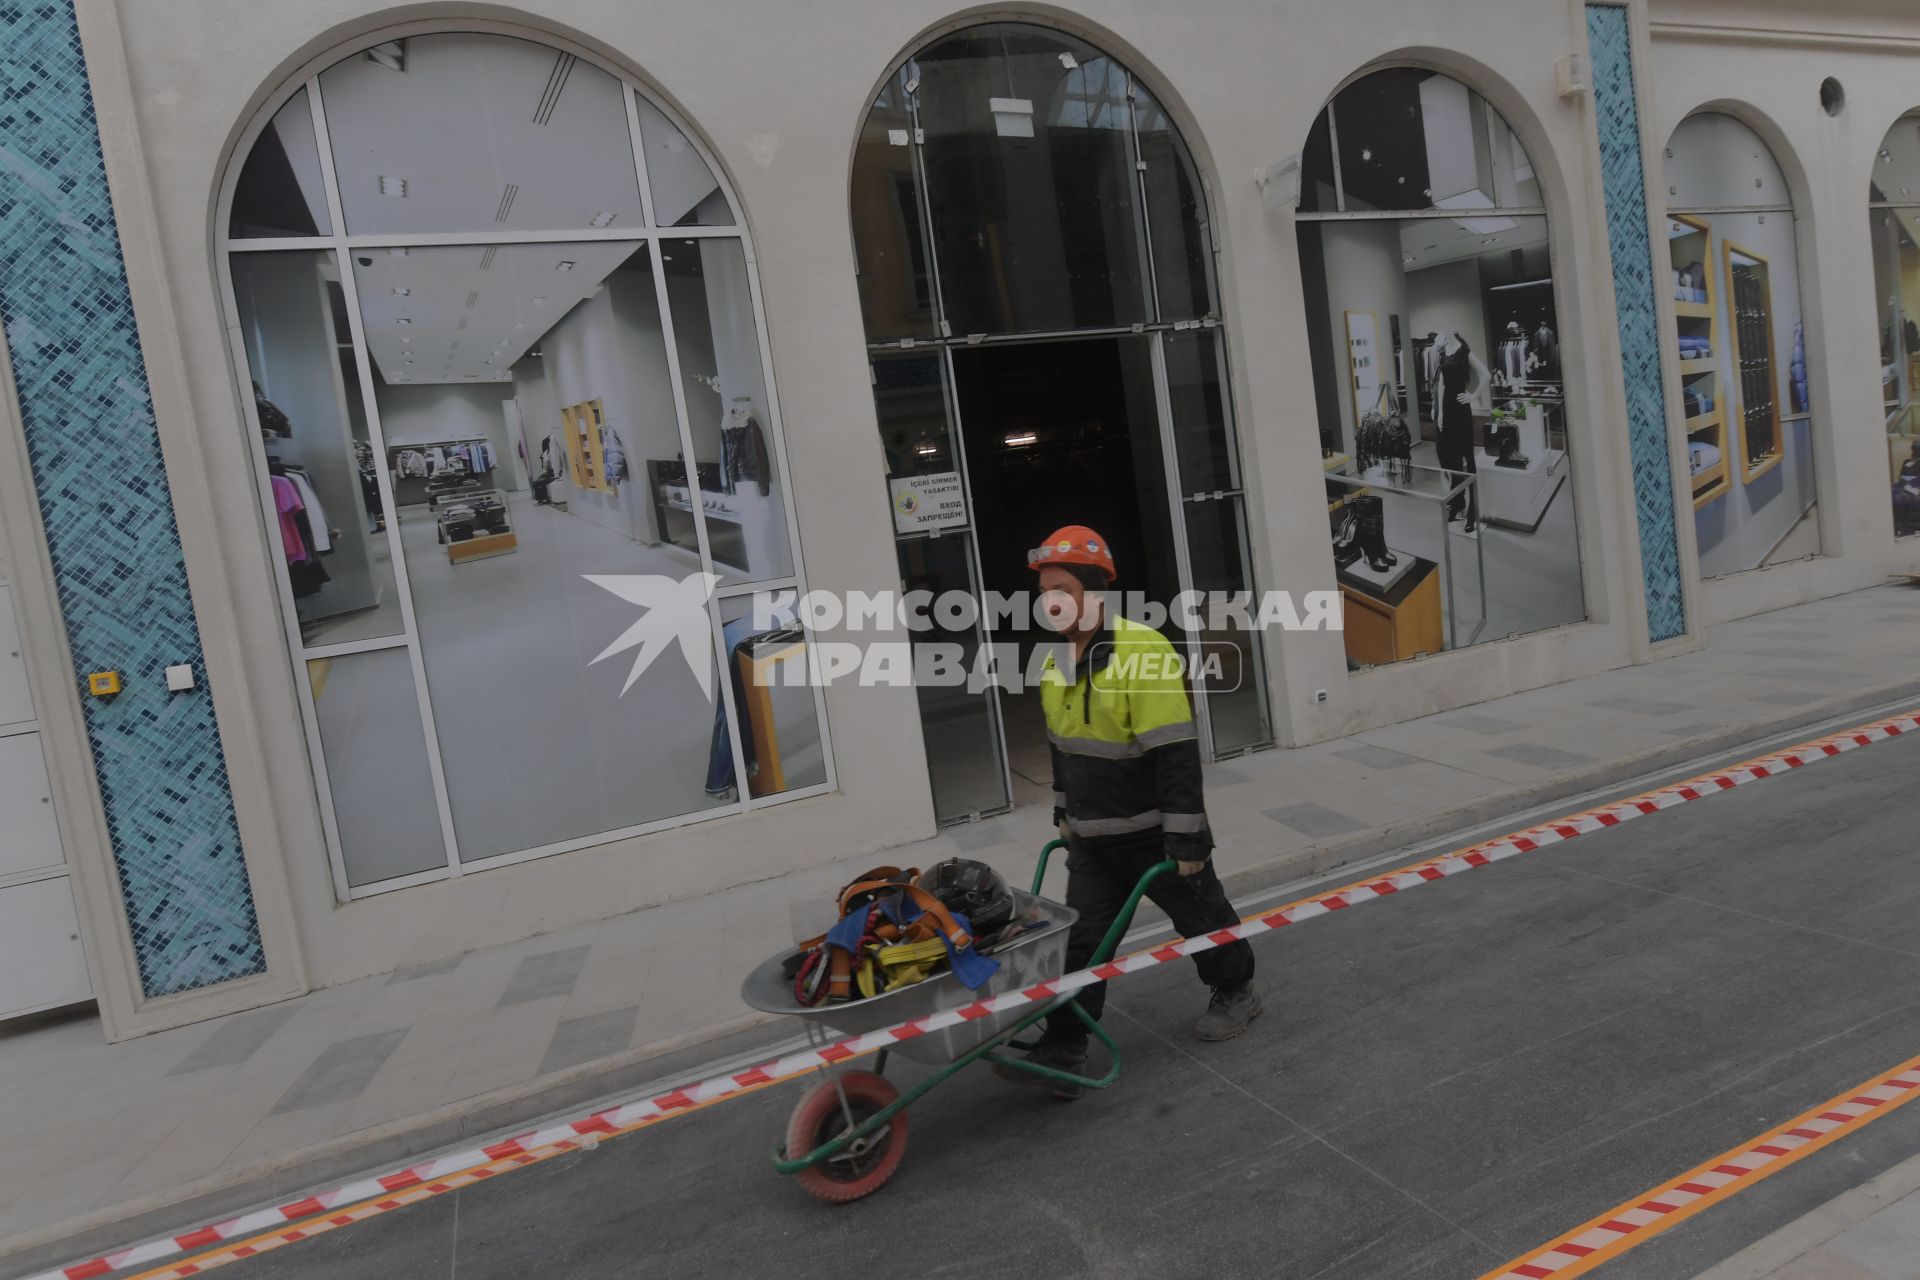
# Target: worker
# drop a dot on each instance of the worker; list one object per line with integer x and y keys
{"x": 1126, "y": 794}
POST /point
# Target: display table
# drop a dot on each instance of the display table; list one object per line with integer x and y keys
{"x": 745, "y": 528}
{"x": 1518, "y": 497}
{"x": 1394, "y": 622}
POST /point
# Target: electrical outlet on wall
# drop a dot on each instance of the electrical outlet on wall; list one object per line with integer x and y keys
{"x": 1319, "y": 695}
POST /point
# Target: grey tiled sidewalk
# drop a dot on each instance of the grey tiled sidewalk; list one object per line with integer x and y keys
{"x": 96, "y": 1132}
{"x": 1870, "y": 1233}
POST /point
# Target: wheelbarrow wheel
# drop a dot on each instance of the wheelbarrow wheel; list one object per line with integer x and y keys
{"x": 862, "y": 1168}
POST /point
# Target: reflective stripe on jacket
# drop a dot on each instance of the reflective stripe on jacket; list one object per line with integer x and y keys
{"x": 1126, "y": 757}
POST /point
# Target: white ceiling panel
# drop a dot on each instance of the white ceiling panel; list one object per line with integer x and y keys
{"x": 470, "y": 311}
{"x": 467, "y": 132}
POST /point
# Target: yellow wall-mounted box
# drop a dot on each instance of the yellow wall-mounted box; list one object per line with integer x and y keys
{"x": 102, "y": 684}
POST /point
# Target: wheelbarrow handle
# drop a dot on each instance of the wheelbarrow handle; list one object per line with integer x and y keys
{"x": 1122, "y": 922}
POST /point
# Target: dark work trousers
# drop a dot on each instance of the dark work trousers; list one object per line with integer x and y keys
{"x": 1097, "y": 887}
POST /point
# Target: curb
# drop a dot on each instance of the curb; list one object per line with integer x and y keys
{"x": 460, "y": 1122}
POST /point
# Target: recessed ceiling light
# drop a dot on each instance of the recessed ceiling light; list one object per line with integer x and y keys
{"x": 519, "y": 327}
{"x": 539, "y": 302}
{"x": 400, "y": 291}
{"x": 396, "y": 187}
{"x": 405, "y": 340}
{"x": 398, "y": 253}
{"x": 403, "y": 320}
{"x": 602, "y": 219}
{"x": 564, "y": 266}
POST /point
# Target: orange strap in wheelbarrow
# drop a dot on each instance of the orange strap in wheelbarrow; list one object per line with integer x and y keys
{"x": 844, "y": 964}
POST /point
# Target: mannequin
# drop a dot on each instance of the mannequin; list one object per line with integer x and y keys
{"x": 1461, "y": 378}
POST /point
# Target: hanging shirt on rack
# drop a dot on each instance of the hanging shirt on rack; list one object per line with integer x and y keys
{"x": 286, "y": 498}
{"x": 316, "y": 514}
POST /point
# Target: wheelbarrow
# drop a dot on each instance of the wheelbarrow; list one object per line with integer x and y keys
{"x": 848, "y": 1134}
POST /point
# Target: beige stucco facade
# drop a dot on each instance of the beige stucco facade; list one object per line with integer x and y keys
{"x": 777, "y": 91}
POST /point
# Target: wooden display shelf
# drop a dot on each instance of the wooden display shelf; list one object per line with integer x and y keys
{"x": 1696, "y": 368}
{"x": 482, "y": 545}
{"x": 1751, "y": 341}
{"x": 1708, "y": 421}
{"x": 1711, "y": 484}
{"x": 1693, "y": 310}
{"x": 1760, "y": 468}
{"x": 1405, "y": 623}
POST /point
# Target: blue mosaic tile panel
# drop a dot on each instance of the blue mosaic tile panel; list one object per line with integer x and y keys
{"x": 1610, "y": 46}
{"x": 109, "y": 517}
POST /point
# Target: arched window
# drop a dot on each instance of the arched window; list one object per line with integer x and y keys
{"x": 1741, "y": 347}
{"x": 1437, "y": 370}
{"x": 1895, "y": 229}
{"x": 1037, "y": 278}
{"x": 499, "y": 328}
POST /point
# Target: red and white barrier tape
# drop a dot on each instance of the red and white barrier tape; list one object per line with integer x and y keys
{"x": 1634, "y": 1223}
{"x": 647, "y": 1111}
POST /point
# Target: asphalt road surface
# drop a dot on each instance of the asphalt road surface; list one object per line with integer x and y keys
{"x": 1441, "y": 1082}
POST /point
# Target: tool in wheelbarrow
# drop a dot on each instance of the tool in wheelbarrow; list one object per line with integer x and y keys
{"x": 848, "y": 1135}
{"x": 899, "y": 927}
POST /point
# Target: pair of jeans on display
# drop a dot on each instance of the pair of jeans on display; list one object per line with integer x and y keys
{"x": 1097, "y": 887}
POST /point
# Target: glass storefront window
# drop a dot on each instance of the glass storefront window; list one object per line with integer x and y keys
{"x": 1406, "y": 139}
{"x": 1741, "y": 347}
{"x": 742, "y": 493}
{"x": 1032, "y": 180}
{"x": 685, "y": 192}
{"x": 1894, "y": 229}
{"x": 376, "y": 766}
{"x": 890, "y": 241}
{"x": 1178, "y": 229}
{"x": 281, "y": 191}
{"x": 504, "y": 476}
{"x": 1435, "y": 341}
{"x": 765, "y": 653}
{"x": 469, "y": 132}
{"x": 326, "y": 504}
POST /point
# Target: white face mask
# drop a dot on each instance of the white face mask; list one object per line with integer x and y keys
{"x": 1056, "y": 611}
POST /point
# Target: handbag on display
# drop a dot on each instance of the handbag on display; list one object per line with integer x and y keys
{"x": 1384, "y": 438}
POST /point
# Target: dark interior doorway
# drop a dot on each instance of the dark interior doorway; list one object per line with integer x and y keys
{"x": 1062, "y": 433}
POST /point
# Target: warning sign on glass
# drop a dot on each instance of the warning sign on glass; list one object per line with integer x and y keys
{"x": 928, "y": 502}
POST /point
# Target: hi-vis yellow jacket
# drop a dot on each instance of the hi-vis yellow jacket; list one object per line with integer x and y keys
{"x": 1126, "y": 758}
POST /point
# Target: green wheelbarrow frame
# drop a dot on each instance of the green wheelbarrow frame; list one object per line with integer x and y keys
{"x": 990, "y": 1049}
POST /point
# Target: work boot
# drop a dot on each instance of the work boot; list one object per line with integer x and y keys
{"x": 1229, "y": 1012}
{"x": 1061, "y": 1055}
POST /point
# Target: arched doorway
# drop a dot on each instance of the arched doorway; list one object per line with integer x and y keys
{"x": 1036, "y": 275}
{"x": 494, "y": 314}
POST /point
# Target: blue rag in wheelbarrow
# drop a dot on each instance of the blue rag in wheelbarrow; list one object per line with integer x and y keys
{"x": 968, "y": 965}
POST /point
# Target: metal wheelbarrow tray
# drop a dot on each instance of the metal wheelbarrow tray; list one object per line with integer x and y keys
{"x": 848, "y": 1135}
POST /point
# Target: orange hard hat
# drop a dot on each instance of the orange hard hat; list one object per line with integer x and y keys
{"x": 1075, "y": 544}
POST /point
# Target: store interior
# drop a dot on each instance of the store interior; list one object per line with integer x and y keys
{"x": 1733, "y": 272}
{"x": 1438, "y": 372}
{"x": 1453, "y": 523}
{"x": 524, "y": 462}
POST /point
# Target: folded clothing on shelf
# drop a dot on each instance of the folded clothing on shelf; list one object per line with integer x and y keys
{"x": 1695, "y": 348}
{"x": 1698, "y": 402}
{"x": 1701, "y": 456}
